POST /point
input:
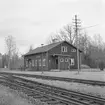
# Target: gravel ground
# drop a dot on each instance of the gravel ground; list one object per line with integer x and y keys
{"x": 84, "y": 74}
{"x": 12, "y": 97}
{"x": 85, "y": 88}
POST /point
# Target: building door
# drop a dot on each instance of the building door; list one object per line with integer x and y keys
{"x": 61, "y": 63}
{"x": 66, "y": 63}
{"x": 56, "y": 63}
{"x": 37, "y": 64}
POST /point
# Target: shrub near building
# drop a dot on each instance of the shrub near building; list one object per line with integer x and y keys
{"x": 101, "y": 65}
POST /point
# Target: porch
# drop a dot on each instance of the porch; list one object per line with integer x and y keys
{"x": 60, "y": 62}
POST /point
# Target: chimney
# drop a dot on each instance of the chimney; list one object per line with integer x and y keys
{"x": 54, "y": 40}
{"x": 42, "y": 45}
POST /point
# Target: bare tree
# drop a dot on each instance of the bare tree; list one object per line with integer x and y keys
{"x": 98, "y": 41}
{"x": 66, "y": 33}
{"x": 11, "y": 48}
{"x": 84, "y": 42}
{"x": 52, "y": 39}
{"x": 69, "y": 33}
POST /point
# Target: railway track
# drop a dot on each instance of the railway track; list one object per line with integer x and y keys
{"x": 90, "y": 82}
{"x": 50, "y": 94}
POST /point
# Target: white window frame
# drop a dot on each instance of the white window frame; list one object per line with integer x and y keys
{"x": 36, "y": 62}
{"x": 26, "y": 63}
{"x": 61, "y": 60}
{"x": 44, "y": 62}
{"x": 32, "y": 63}
{"x": 39, "y": 62}
{"x": 64, "y": 48}
{"x": 72, "y": 62}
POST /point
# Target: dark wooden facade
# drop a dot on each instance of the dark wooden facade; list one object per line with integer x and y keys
{"x": 60, "y": 55}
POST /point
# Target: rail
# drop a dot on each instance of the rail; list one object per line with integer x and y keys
{"x": 58, "y": 95}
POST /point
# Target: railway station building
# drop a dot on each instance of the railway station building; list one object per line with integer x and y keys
{"x": 59, "y": 55}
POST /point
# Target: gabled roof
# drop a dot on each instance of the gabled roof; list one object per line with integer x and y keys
{"x": 46, "y": 48}
{"x": 43, "y": 48}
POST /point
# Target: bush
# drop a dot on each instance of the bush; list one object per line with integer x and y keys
{"x": 83, "y": 66}
{"x": 101, "y": 66}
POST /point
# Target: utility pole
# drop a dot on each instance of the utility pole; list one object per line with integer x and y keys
{"x": 42, "y": 60}
{"x": 77, "y": 25}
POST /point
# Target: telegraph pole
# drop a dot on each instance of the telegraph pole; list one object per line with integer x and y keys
{"x": 77, "y": 24}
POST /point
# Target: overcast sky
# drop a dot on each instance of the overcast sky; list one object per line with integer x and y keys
{"x": 32, "y": 21}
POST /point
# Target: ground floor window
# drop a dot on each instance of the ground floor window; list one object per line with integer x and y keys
{"x": 44, "y": 62}
{"x": 30, "y": 63}
{"x": 26, "y": 63}
{"x": 39, "y": 62}
{"x": 61, "y": 60}
{"x": 72, "y": 62}
{"x": 33, "y": 63}
{"x": 66, "y": 59}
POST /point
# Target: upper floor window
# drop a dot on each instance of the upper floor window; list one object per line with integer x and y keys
{"x": 73, "y": 50}
{"x": 64, "y": 49}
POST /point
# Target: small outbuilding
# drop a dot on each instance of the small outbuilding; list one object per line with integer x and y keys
{"x": 60, "y": 55}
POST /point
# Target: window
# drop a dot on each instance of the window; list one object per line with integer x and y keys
{"x": 26, "y": 63}
{"x": 29, "y": 63}
{"x": 61, "y": 60}
{"x": 39, "y": 62}
{"x": 66, "y": 59}
{"x": 64, "y": 48}
{"x": 73, "y": 50}
{"x": 33, "y": 63}
{"x": 44, "y": 62}
{"x": 72, "y": 61}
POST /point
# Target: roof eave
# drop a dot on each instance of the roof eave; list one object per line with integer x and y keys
{"x": 35, "y": 53}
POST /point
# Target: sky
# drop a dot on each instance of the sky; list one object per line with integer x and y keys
{"x": 31, "y": 22}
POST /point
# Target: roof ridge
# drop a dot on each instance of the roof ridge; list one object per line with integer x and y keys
{"x": 48, "y": 44}
{"x": 44, "y": 48}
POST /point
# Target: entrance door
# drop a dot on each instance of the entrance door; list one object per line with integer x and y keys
{"x": 37, "y": 64}
{"x": 67, "y": 63}
{"x": 56, "y": 63}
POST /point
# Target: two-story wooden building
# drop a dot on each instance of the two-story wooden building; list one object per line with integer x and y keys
{"x": 60, "y": 55}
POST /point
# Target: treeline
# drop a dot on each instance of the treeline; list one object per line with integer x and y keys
{"x": 16, "y": 62}
{"x": 93, "y": 52}
{"x": 11, "y": 59}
